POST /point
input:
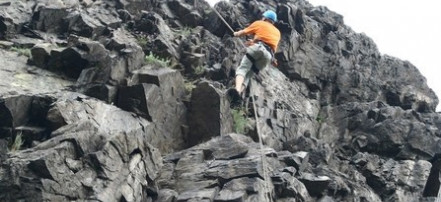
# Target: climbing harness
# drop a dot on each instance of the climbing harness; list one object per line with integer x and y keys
{"x": 253, "y": 61}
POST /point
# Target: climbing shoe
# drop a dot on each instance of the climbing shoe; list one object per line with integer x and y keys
{"x": 234, "y": 97}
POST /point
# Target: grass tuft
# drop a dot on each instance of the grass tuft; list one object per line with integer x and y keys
{"x": 22, "y": 51}
{"x": 239, "y": 120}
{"x": 153, "y": 59}
{"x": 17, "y": 143}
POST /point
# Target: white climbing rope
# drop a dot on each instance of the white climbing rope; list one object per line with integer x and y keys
{"x": 438, "y": 198}
{"x": 262, "y": 155}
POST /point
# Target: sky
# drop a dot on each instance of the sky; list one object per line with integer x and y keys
{"x": 407, "y": 29}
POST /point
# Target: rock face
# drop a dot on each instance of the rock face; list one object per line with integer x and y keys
{"x": 86, "y": 156}
{"x": 125, "y": 101}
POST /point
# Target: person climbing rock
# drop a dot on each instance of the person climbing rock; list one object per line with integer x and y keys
{"x": 259, "y": 52}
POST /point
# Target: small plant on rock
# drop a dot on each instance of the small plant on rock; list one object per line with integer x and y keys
{"x": 16, "y": 144}
{"x": 239, "y": 120}
{"x": 142, "y": 40}
{"x": 199, "y": 70}
{"x": 185, "y": 31}
{"x": 319, "y": 119}
{"x": 22, "y": 51}
{"x": 189, "y": 86}
{"x": 153, "y": 59}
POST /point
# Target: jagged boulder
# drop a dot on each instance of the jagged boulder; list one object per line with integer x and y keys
{"x": 123, "y": 56}
{"x": 50, "y": 17}
{"x": 394, "y": 180}
{"x": 143, "y": 99}
{"x": 209, "y": 114}
{"x": 135, "y": 7}
{"x": 381, "y": 129}
{"x": 283, "y": 116}
{"x": 326, "y": 42}
{"x": 82, "y": 24}
{"x": 186, "y": 13}
{"x": 157, "y": 95}
{"x": 87, "y": 158}
{"x": 13, "y": 17}
{"x": 162, "y": 45}
{"x": 41, "y": 54}
{"x": 71, "y": 61}
{"x": 226, "y": 168}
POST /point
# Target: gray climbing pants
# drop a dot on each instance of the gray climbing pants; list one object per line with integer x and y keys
{"x": 262, "y": 57}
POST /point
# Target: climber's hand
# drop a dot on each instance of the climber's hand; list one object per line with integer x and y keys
{"x": 274, "y": 62}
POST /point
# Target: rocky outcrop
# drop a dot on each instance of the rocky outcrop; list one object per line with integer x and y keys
{"x": 209, "y": 114}
{"x": 86, "y": 156}
{"x": 125, "y": 101}
{"x": 230, "y": 168}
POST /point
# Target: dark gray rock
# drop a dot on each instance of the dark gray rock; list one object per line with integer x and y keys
{"x": 135, "y": 7}
{"x": 364, "y": 119}
{"x": 229, "y": 12}
{"x": 162, "y": 45}
{"x": 23, "y": 120}
{"x": 298, "y": 160}
{"x": 20, "y": 79}
{"x": 229, "y": 148}
{"x": 122, "y": 56}
{"x": 167, "y": 195}
{"x": 157, "y": 95}
{"x": 433, "y": 182}
{"x": 107, "y": 17}
{"x": 170, "y": 82}
{"x": 15, "y": 111}
{"x": 315, "y": 184}
{"x": 402, "y": 175}
{"x": 26, "y": 42}
{"x": 142, "y": 99}
{"x": 191, "y": 56}
{"x": 6, "y": 44}
{"x": 83, "y": 24}
{"x": 86, "y": 158}
{"x": 185, "y": 12}
{"x": 104, "y": 92}
{"x": 41, "y": 54}
{"x": 212, "y": 170}
{"x": 381, "y": 129}
{"x": 82, "y": 54}
{"x": 3, "y": 150}
{"x": 209, "y": 115}
{"x": 288, "y": 188}
{"x": 13, "y": 17}
{"x": 228, "y": 195}
{"x": 283, "y": 116}
{"x": 198, "y": 195}
{"x": 50, "y": 18}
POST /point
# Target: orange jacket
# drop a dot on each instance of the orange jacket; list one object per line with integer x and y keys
{"x": 264, "y": 31}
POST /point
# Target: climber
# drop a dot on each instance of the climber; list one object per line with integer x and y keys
{"x": 259, "y": 52}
